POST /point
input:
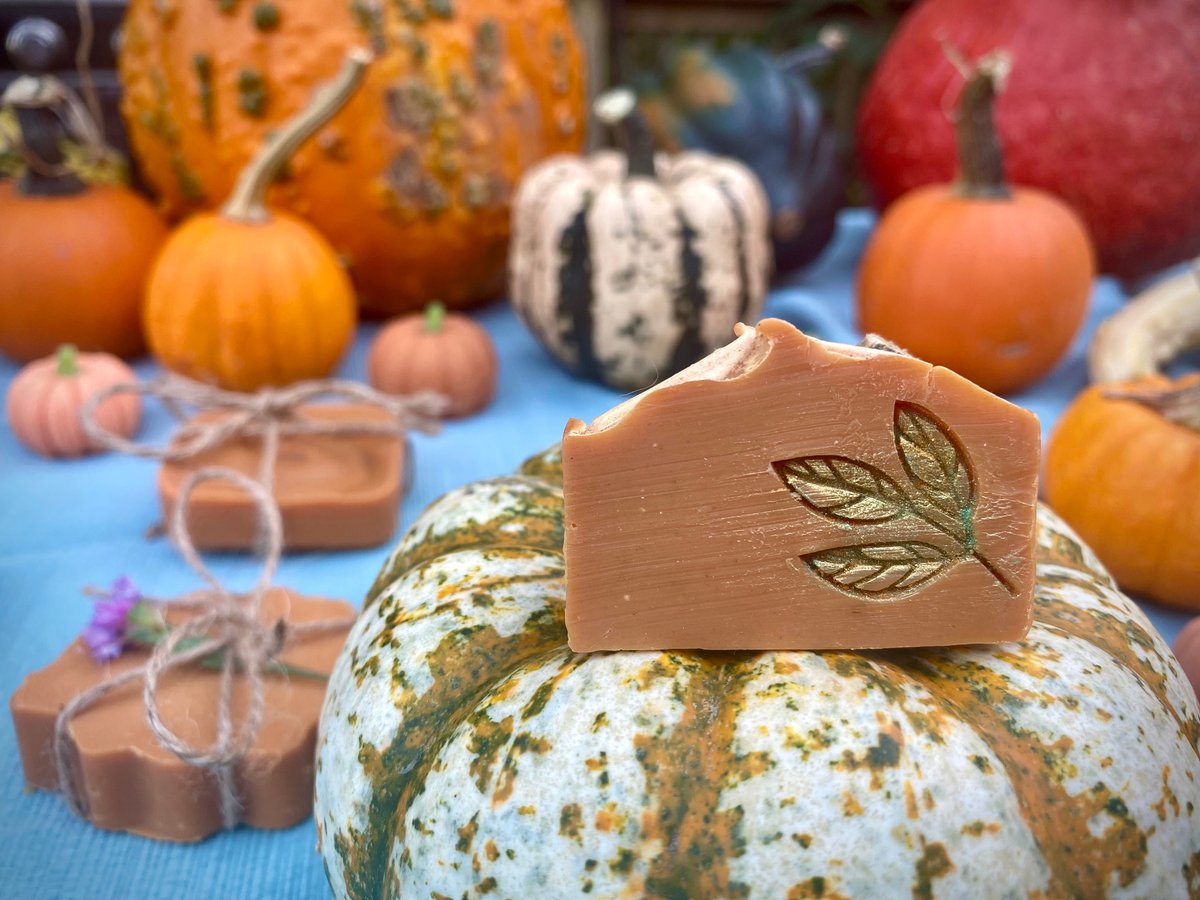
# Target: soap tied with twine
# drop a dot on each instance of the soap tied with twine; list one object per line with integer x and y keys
{"x": 247, "y": 634}
{"x": 338, "y": 485}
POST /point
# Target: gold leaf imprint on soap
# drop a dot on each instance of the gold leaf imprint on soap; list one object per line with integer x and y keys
{"x": 941, "y": 494}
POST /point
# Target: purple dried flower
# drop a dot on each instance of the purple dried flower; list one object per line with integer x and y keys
{"x": 105, "y": 634}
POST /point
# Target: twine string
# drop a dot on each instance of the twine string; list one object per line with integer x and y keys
{"x": 227, "y": 623}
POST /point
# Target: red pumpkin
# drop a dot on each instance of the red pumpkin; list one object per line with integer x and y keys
{"x": 1102, "y": 110}
{"x": 45, "y": 398}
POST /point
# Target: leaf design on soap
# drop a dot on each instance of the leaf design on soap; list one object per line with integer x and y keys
{"x": 842, "y": 489}
{"x": 936, "y": 464}
{"x": 879, "y": 571}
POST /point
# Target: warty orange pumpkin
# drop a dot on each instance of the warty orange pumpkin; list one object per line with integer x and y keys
{"x": 989, "y": 280}
{"x": 1123, "y": 463}
{"x": 411, "y": 182}
{"x": 247, "y": 298}
{"x": 464, "y": 750}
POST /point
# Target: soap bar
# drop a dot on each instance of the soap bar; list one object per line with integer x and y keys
{"x": 335, "y": 491}
{"x": 130, "y": 782}
{"x": 788, "y": 493}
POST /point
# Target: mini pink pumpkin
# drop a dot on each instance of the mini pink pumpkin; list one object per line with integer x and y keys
{"x": 45, "y": 398}
{"x": 437, "y": 351}
{"x": 1187, "y": 650}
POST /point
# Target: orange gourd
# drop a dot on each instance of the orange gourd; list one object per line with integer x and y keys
{"x": 73, "y": 256}
{"x": 45, "y": 398}
{"x": 447, "y": 354}
{"x": 412, "y": 181}
{"x": 1123, "y": 463}
{"x": 247, "y": 298}
{"x": 989, "y": 280}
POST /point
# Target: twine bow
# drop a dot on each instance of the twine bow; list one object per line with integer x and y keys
{"x": 228, "y": 624}
{"x": 269, "y": 414}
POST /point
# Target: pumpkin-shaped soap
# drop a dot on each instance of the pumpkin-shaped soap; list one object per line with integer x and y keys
{"x": 629, "y": 267}
{"x": 447, "y": 354}
{"x": 45, "y": 399}
{"x": 247, "y": 298}
{"x": 464, "y": 749}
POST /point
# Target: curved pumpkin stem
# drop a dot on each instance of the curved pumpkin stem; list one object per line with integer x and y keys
{"x": 1153, "y": 329}
{"x": 980, "y": 160}
{"x": 617, "y": 108}
{"x": 247, "y": 203}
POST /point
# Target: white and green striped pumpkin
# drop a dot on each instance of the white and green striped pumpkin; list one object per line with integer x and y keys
{"x": 628, "y": 268}
{"x": 465, "y": 751}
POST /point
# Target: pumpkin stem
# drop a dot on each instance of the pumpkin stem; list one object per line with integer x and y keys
{"x": 1179, "y": 403}
{"x": 67, "y": 359}
{"x": 980, "y": 160}
{"x": 830, "y": 41}
{"x": 40, "y": 105}
{"x": 1148, "y": 332}
{"x": 435, "y": 315}
{"x": 247, "y": 203}
{"x": 618, "y": 110}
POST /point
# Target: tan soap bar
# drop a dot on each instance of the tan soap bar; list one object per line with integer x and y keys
{"x": 788, "y": 493}
{"x": 132, "y": 783}
{"x": 334, "y": 491}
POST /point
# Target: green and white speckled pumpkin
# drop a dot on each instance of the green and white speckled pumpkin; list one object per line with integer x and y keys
{"x": 464, "y": 750}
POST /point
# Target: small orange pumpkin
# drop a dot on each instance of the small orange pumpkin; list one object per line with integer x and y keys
{"x": 73, "y": 256}
{"x": 445, "y": 353}
{"x": 983, "y": 278}
{"x": 1123, "y": 464}
{"x": 244, "y": 298}
{"x": 45, "y": 398}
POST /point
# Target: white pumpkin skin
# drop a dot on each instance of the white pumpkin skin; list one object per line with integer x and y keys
{"x": 627, "y": 280}
{"x": 465, "y": 750}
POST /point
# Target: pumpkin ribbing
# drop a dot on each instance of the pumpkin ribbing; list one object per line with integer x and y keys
{"x": 696, "y": 774}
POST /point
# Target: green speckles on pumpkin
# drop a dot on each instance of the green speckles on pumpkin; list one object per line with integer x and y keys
{"x": 622, "y": 864}
{"x": 188, "y": 181}
{"x": 488, "y": 738}
{"x": 570, "y": 821}
{"x": 369, "y": 18}
{"x": 934, "y": 863}
{"x": 462, "y": 90}
{"x": 252, "y": 93}
{"x": 441, "y": 9}
{"x": 488, "y": 52}
{"x": 413, "y": 105}
{"x": 599, "y": 722}
{"x": 466, "y": 835}
{"x": 202, "y": 64}
{"x": 410, "y": 11}
{"x": 227, "y": 7}
{"x": 266, "y": 16}
{"x": 982, "y": 764}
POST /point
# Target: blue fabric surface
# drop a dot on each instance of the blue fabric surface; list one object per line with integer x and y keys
{"x": 64, "y": 525}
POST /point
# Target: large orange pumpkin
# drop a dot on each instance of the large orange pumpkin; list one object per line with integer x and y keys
{"x": 411, "y": 182}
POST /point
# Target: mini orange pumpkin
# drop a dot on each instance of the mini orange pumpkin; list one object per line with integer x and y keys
{"x": 73, "y": 256}
{"x": 245, "y": 298}
{"x": 447, "y": 354}
{"x": 1123, "y": 464}
{"x": 988, "y": 280}
{"x": 45, "y": 398}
